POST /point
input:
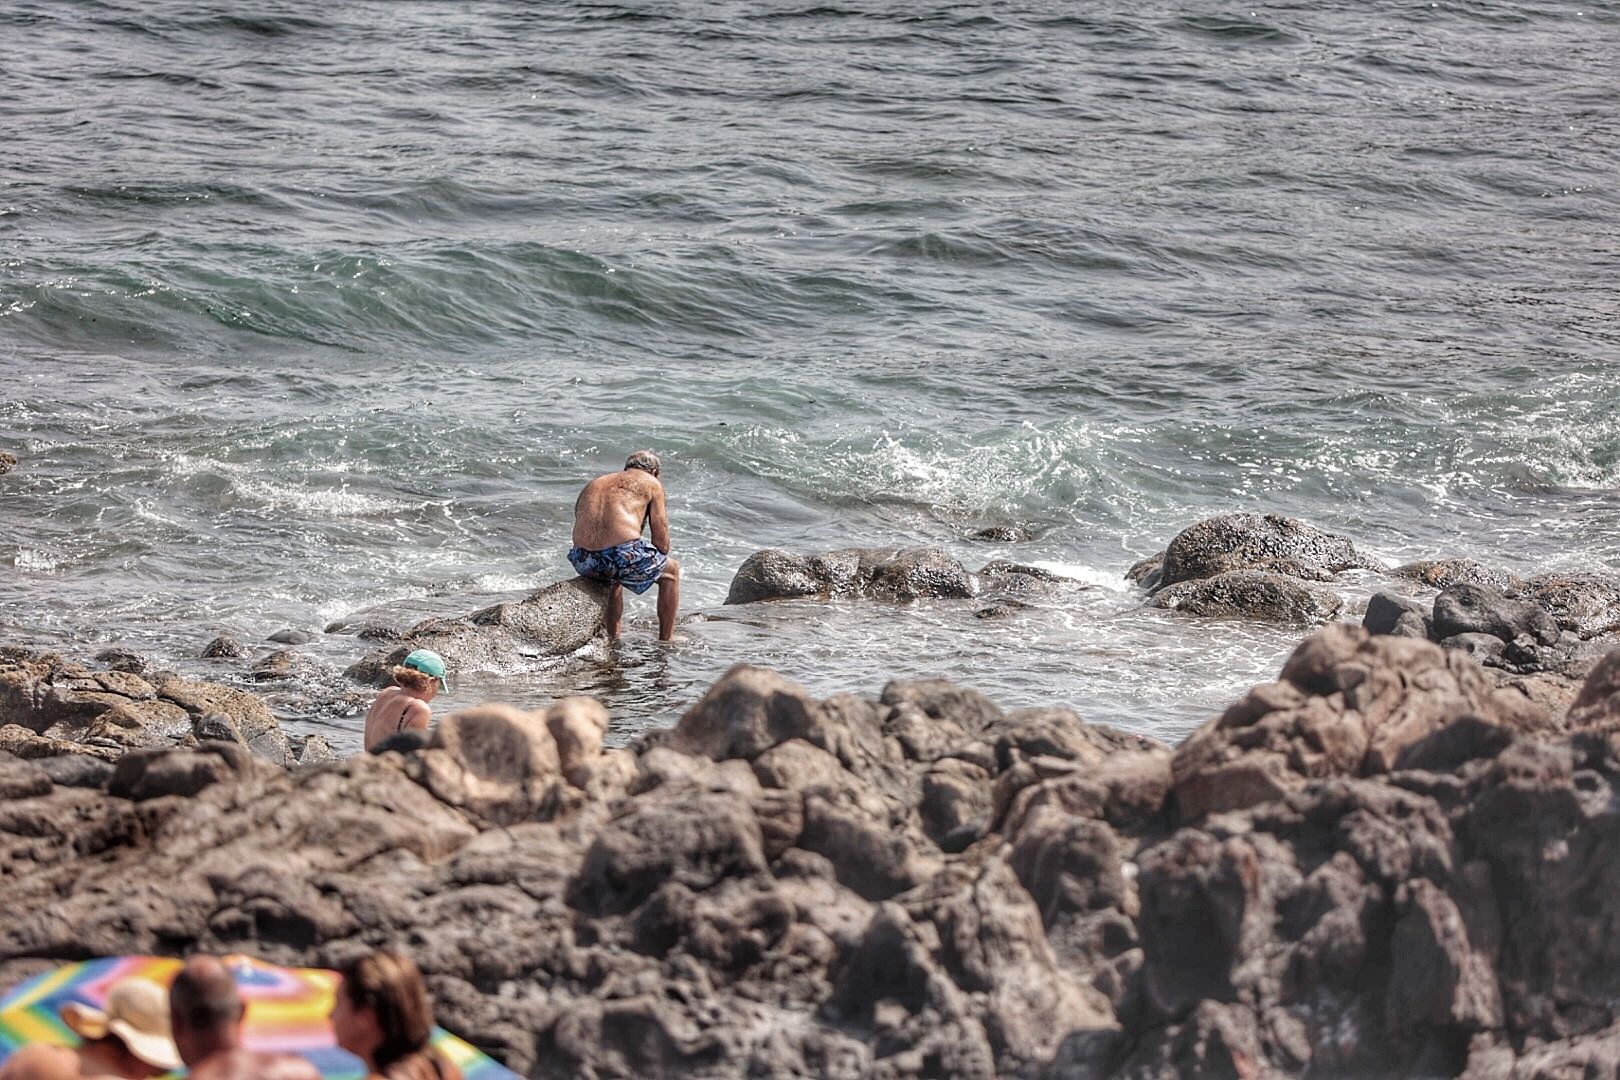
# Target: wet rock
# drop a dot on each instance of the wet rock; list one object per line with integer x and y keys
{"x": 1444, "y": 573}
{"x": 123, "y": 660}
{"x": 1267, "y": 543}
{"x": 8, "y": 461}
{"x": 888, "y": 573}
{"x": 290, "y": 636}
{"x": 224, "y": 647}
{"x": 1004, "y": 534}
{"x": 1147, "y": 573}
{"x": 1480, "y": 609}
{"x": 1251, "y": 594}
{"x": 1583, "y": 603}
{"x": 1008, "y": 581}
{"x": 552, "y": 622}
{"x": 1387, "y": 612}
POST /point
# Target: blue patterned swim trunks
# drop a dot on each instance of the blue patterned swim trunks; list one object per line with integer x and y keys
{"x": 636, "y": 565}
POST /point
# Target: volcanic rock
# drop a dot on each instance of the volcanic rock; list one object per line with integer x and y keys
{"x": 224, "y": 647}
{"x": 1251, "y": 594}
{"x": 888, "y": 573}
{"x": 1444, "y": 573}
{"x": 1480, "y": 609}
{"x": 1382, "y": 864}
{"x": 1268, "y": 543}
{"x": 1583, "y": 603}
{"x": 1392, "y": 613}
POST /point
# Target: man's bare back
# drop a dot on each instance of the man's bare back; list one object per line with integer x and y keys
{"x": 613, "y": 509}
{"x": 608, "y": 518}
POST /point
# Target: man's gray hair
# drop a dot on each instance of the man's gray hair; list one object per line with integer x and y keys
{"x": 645, "y": 460}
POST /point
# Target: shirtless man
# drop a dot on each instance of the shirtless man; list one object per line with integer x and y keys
{"x": 205, "y": 1012}
{"x": 608, "y": 518}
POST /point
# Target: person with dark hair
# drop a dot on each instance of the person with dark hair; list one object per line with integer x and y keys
{"x": 608, "y": 518}
{"x": 405, "y": 706}
{"x": 382, "y": 1015}
{"x": 205, "y": 1013}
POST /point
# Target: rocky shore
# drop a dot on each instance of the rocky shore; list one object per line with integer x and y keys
{"x": 1395, "y": 859}
{"x": 1382, "y": 863}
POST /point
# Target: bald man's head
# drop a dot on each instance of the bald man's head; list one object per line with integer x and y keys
{"x": 205, "y": 1009}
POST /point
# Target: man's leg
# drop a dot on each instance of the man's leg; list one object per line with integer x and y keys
{"x": 669, "y": 599}
{"x": 615, "y": 609}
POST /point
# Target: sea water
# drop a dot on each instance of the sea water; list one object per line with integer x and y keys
{"x": 308, "y": 308}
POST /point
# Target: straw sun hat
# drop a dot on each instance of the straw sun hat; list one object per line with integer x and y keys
{"x": 138, "y": 1013}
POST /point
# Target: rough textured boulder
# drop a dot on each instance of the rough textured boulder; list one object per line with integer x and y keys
{"x": 1481, "y": 609}
{"x": 1392, "y": 613}
{"x": 1444, "y": 573}
{"x": 887, "y": 573}
{"x": 96, "y": 712}
{"x": 1268, "y": 543}
{"x": 1585, "y": 604}
{"x": 1251, "y": 594}
{"x": 511, "y": 636}
{"x": 8, "y": 461}
{"x": 1347, "y": 704}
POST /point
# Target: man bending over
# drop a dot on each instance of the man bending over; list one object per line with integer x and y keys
{"x": 608, "y": 519}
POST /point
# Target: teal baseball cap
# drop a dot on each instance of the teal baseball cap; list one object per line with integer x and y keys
{"x": 427, "y": 662}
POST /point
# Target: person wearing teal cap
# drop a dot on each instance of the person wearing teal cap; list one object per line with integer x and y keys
{"x": 405, "y": 706}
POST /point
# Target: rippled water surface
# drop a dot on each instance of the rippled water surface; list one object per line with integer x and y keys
{"x": 306, "y": 308}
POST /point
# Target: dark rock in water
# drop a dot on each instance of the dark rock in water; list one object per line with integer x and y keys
{"x": 1444, "y": 573}
{"x": 907, "y": 574}
{"x": 1004, "y": 534}
{"x": 224, "y": 647}
{"x": 1385, "y": 612}
{"x": 8, "y": 461}
{"x": 376, "y": 670}
{"x": 553, "y": 621}
{"x": 918, "y": 573}
{"x": 77, "y": 770}
{"x": 291, "y": 637}
{"x": 377, "y": 632}
{"x": 124, "y": 660}
{"x": 1001, "y": 580}
{"x": 1585, "y": 604}
{"x": 1480, "y": 609}
{"x": 285, "y": 665}
{"x": 1482, "y": 647}
{"x": 1003, "y": 610}
{"x": 1147, "y": 572}
{"x": 1251, "y": 594}
{"x": 1267, "y": 543}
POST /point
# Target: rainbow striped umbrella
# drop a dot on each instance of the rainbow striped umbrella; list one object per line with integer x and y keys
{"x": 286, "y": 1011}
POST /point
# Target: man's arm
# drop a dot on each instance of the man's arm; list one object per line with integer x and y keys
{"x": 658, "y": 519}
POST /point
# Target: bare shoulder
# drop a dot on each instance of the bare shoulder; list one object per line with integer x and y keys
{"x": 40, "y": 1062}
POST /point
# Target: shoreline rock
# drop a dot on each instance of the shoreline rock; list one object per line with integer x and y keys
{"x": 1382, "y": 863}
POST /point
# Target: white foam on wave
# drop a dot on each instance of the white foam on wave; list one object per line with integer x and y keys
{"x": 1112, "y": 580}
{"x": 302, "y": 499}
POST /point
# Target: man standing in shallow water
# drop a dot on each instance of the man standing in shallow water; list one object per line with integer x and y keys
{"x": 608, "y": 518}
